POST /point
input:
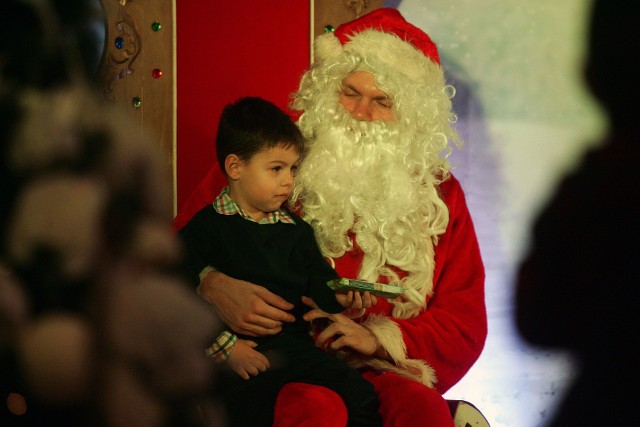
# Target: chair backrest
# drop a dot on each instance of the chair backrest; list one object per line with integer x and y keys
{"x": 204, "y": 193}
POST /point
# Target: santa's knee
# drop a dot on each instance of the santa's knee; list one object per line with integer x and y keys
{"x": 307, "y": 405}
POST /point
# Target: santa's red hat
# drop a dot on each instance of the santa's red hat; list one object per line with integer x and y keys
{"x": 383, "y": 34}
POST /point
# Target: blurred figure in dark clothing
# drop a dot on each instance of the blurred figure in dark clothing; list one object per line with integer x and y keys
{"x": 94, "y": 331}
{"x": 578, "y": 288}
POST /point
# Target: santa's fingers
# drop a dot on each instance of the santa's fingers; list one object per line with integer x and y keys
{"x": 316, "y": 313}
{"x": 333, "y": 329}
{"x": 352, "y": 335}
{"x": 368, "y": 300}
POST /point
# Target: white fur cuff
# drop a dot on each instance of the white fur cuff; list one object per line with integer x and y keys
{"x": 390, "y": 337}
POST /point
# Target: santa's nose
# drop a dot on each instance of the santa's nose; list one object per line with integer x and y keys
{"x": 362, "y": 111}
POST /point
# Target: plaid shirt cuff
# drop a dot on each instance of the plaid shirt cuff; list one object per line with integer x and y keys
{"x": 208, "y": 269}
{"x": 222, "y": 347}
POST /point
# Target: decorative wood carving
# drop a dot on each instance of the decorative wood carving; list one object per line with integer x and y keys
{"x": 358, "y": 6}
{"x": 138, "y": 70}
{"x": 336, "y": 12}
{"x": 118, "y": 62}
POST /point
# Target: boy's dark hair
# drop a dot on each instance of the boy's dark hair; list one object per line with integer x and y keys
{"x": 252, "y": 124}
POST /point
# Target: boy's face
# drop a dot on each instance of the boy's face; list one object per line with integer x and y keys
{"x": 263, "y": 183}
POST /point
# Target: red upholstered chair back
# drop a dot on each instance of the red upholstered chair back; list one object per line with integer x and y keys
{"x": 205, "y": 192}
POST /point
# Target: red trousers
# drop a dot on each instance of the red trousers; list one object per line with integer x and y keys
{"x": 403, "y": 402}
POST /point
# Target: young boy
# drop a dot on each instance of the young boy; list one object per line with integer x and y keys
{"x": 248, "y": 234}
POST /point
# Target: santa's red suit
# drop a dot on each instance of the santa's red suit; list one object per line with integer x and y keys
{"x": 429, "y": 351}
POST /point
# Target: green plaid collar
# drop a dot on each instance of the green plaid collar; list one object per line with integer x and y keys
{"x": 225, "y": 205}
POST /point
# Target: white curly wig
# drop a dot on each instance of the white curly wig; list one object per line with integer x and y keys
{"x": 377, "y": 182}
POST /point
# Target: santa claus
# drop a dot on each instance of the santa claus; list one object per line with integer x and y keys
{"x": 377, "y": 188}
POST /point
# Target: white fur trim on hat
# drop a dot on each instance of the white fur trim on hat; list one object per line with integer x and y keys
{"x": 387, "y": 48}
{"x": 326, "y": 46}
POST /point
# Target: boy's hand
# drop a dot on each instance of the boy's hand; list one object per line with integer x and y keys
{"x": 357, "y": 300}
{"x": 246, "y": 361}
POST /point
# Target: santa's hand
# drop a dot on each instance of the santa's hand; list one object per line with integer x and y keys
{"x": 246, "y": 308}
{"x": 341, "y": 331}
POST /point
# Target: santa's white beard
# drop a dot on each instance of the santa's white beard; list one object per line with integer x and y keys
{"x": 365, "y": 178}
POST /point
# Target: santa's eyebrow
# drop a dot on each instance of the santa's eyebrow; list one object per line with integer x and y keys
{"x": 350, "y": 87}
{"x": 383, "y": 97}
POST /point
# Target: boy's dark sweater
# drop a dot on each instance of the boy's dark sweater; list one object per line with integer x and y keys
{"x": 283, "y": 258}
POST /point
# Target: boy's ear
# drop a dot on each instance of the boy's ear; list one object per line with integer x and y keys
{"x": 232, "y": 166}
